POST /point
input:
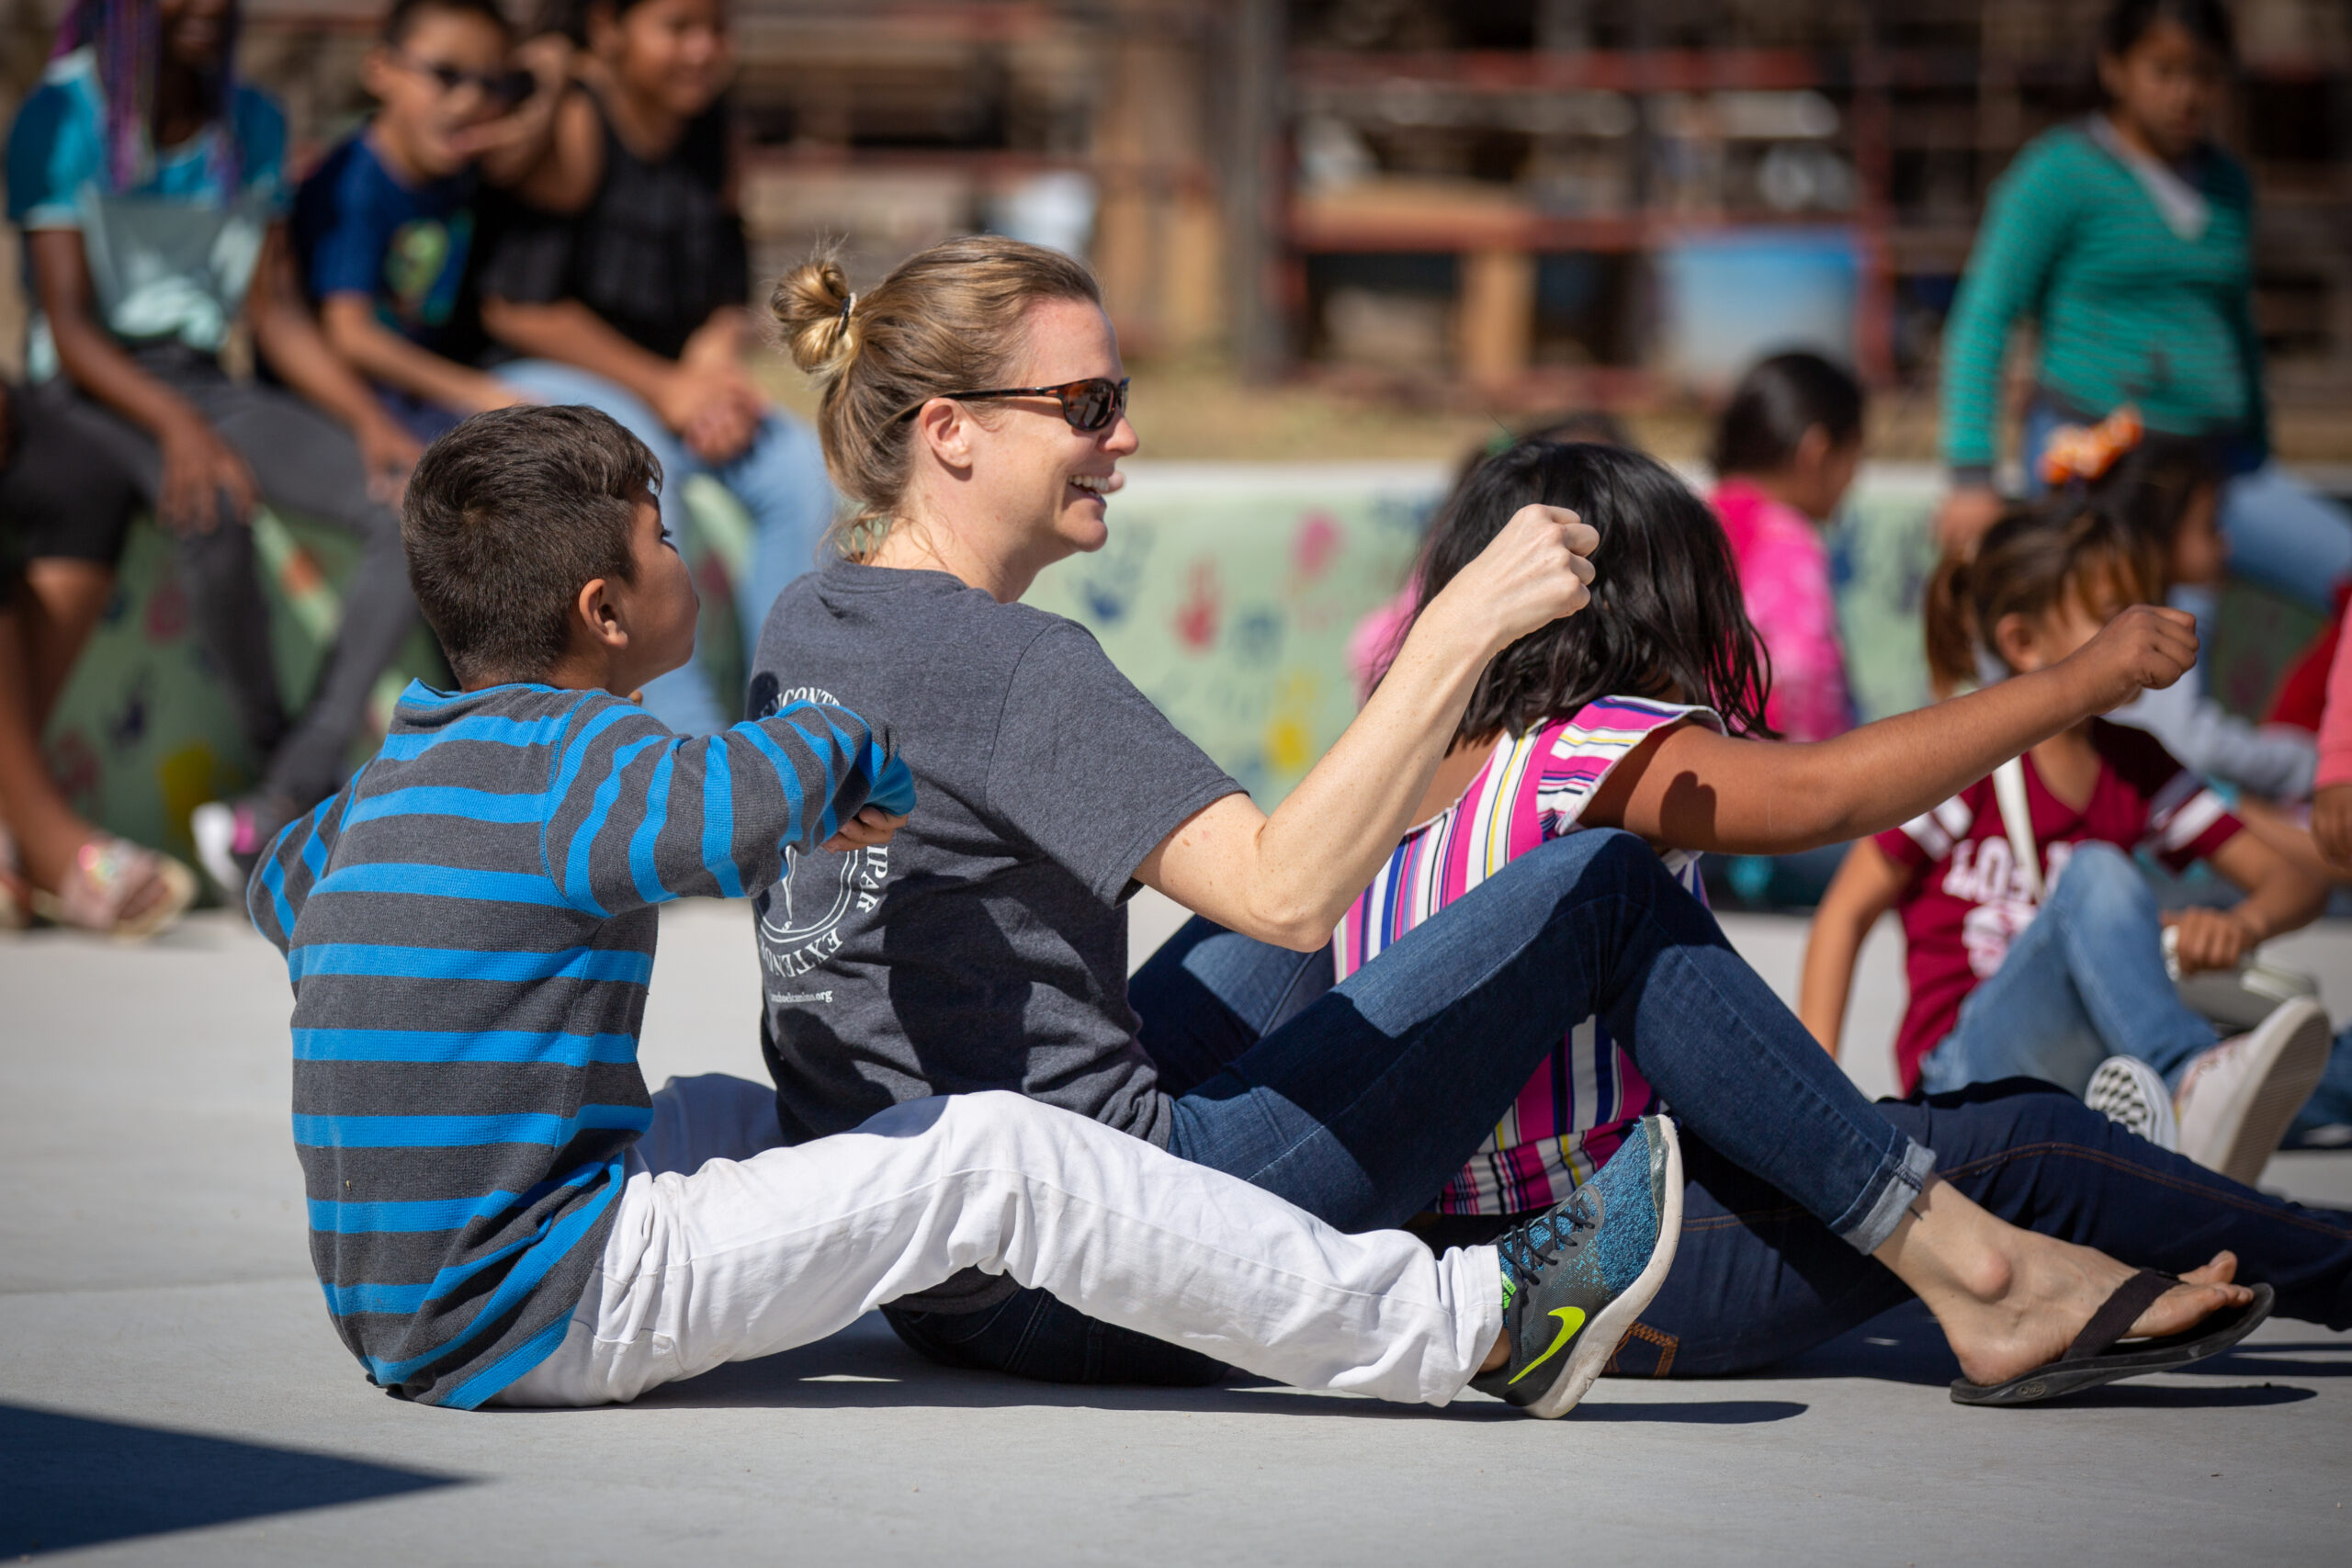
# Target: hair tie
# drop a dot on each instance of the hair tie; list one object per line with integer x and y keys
{"x": 847, "y": 306}
{"x": 2080, "y": 454}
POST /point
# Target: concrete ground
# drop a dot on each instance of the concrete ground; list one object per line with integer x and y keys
{"x": 170, "y": 1391}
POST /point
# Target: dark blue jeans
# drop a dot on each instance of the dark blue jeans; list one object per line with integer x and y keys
{"x": 1359, "y": 1102}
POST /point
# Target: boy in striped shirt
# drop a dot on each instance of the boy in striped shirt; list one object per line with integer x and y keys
{"x": 500, "y": 1212}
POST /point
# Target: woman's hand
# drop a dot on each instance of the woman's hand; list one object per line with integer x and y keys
{"x": 2332, "y": 823}
{"x": 199, "y": 469}
{"x": 2146, "y": 647}
{"x": 1964, "y": 515}
{"x": 870, "y": 829}
{"x": 1532, "y": 573}
{"x": 2210, "y": 938}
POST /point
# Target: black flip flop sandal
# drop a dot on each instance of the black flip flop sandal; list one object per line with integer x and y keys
{"x": 2092, "y": 1359}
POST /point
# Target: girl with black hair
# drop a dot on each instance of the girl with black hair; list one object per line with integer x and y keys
{"x": 1784, "y": 455}
{"x": 2127, "y": 238}
{"x": 1646, "y": 713}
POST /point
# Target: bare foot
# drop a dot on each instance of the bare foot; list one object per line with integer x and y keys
{"x": 2009, "y": 1299}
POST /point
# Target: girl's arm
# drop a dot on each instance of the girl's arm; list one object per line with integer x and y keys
{"x": 1865, "y": 887}
{"x": 286, "y": 335}
{"x": 2026, "y": 226}
{"x": 2278, "y": 899}
{"x": 1287, "y": 878}
{"x": 199, "y": 466}
{"x": 688, "y": 398}
{"x": 1697, "y": 790}
{"x": 381, "y": 355}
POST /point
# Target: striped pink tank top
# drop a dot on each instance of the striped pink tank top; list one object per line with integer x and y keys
{"x": 1573, "y": 1112}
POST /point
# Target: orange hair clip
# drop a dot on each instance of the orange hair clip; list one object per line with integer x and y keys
{"x": 2080, "y": 453}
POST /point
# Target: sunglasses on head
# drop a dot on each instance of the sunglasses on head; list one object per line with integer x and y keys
{"x": 506, "y": 86}
{"x": 1090, "y": 405}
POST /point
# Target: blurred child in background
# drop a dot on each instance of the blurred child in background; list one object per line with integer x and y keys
{"x": 1784, "y": 455}
{"x": 151, "y": 185}
{"x": 385, "y": 227}
{"x": 2035, "y": 947}
{"x": 620, "y": 274}
{"x": 2165, "y": 489}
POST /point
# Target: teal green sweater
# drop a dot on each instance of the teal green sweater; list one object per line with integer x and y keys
{"x": 2130, "y": 313}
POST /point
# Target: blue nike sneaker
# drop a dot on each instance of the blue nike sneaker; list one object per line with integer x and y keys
{"x": 1576, "y": 1277}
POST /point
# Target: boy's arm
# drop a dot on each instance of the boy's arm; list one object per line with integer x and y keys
{"x": 641, "y": 816}
{"x": 1865, "y": 887}
{"x": 290, "y": 340}
{"x": 2279, "y": 898}
{"x": 381, "y": 355}
{"x": 291, "y": 866}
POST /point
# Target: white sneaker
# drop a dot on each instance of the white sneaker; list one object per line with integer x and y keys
{"x": 2129, "y": 1092}
{"x": 2237, "y": 1101}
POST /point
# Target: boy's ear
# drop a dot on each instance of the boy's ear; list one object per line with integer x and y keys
{"x": 375, "y": 70}
{"x": 601, "y": 618}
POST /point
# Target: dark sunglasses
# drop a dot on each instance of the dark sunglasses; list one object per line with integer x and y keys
{"x": 1089, "y": 406}
{"x": 506, "y": 86}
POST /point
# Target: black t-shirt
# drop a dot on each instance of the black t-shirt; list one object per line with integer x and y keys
{"x": 986, "y": 946}
{"x": 654, "y": 252}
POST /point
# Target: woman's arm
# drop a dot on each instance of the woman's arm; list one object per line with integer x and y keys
{"x": 2278, "y": 899}
{"x": 1865, "y": 887}
{"x": 381, "y": 355}
{"x": 287, "y": 336}
{"x": 1698, "y": 790}
{"x": 1287, "y": 878}
{"x": 199, "y": 466}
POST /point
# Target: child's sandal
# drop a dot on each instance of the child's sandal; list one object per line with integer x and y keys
{"x": 102, "y": 892}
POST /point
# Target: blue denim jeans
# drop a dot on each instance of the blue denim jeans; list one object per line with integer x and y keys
{"x": 1359, "y": 1102}
{"x": 1758, "y": 1280}
{"x": 2084, "y": 982}
{"x": 780, "y": 480}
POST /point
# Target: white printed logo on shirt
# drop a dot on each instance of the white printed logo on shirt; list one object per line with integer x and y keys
{"x": 1984, "y": 872}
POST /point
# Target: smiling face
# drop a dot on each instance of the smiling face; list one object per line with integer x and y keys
{"x": 1048, "y": 483}
{"x": 419, "y": 117}
{"x": 673, "y": 54}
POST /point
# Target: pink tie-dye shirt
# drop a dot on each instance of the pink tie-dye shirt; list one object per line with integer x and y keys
{"x": 1573, "y": 1113}
{"x": 1784, "y": 577}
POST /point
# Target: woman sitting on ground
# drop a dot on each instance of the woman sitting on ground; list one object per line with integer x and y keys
{"x": 973, "y": 407}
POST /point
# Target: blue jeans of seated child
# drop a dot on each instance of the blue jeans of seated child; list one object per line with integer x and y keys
{"x": 780, "y": 480}
{"x": 1359, "y": 1101}
{"x": 2084, "y": 981}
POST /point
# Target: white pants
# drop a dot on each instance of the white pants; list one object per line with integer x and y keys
{"x": 729, "y": 1247}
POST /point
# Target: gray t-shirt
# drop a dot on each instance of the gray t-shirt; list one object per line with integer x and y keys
{"x": 985, "y": 947}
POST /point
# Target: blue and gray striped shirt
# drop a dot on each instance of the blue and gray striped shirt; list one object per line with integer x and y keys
{"x": 469, "y": 928}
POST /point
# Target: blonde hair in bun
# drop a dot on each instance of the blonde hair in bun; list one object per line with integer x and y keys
{"x": 946, "y": 319}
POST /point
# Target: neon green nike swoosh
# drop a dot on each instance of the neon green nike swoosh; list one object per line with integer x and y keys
{"x": 1571, "y": 1319}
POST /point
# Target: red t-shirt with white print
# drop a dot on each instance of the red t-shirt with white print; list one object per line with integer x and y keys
{"x": 1967, "y": 899}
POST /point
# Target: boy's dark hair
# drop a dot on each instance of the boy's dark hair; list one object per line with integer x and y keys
{"x": 508, "y": 516}
{"x": 401, "y": 20}
{"x": 2035, "y": 559}
{"x": 1665, "y": 621}
{"x": 1776, "y": 403}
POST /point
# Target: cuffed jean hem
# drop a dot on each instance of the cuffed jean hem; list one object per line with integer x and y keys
{"x": 1890, "y": 1194}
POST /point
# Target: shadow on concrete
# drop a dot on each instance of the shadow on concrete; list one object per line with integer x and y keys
{"x": 74, "y": 1481}
{"x": 1901, "y": 1346}
{"x": 2264, "y": 1358}
{"x": 865, "y": 1366}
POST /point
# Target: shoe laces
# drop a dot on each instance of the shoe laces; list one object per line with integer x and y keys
{"x": 1527, "y": 1251}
